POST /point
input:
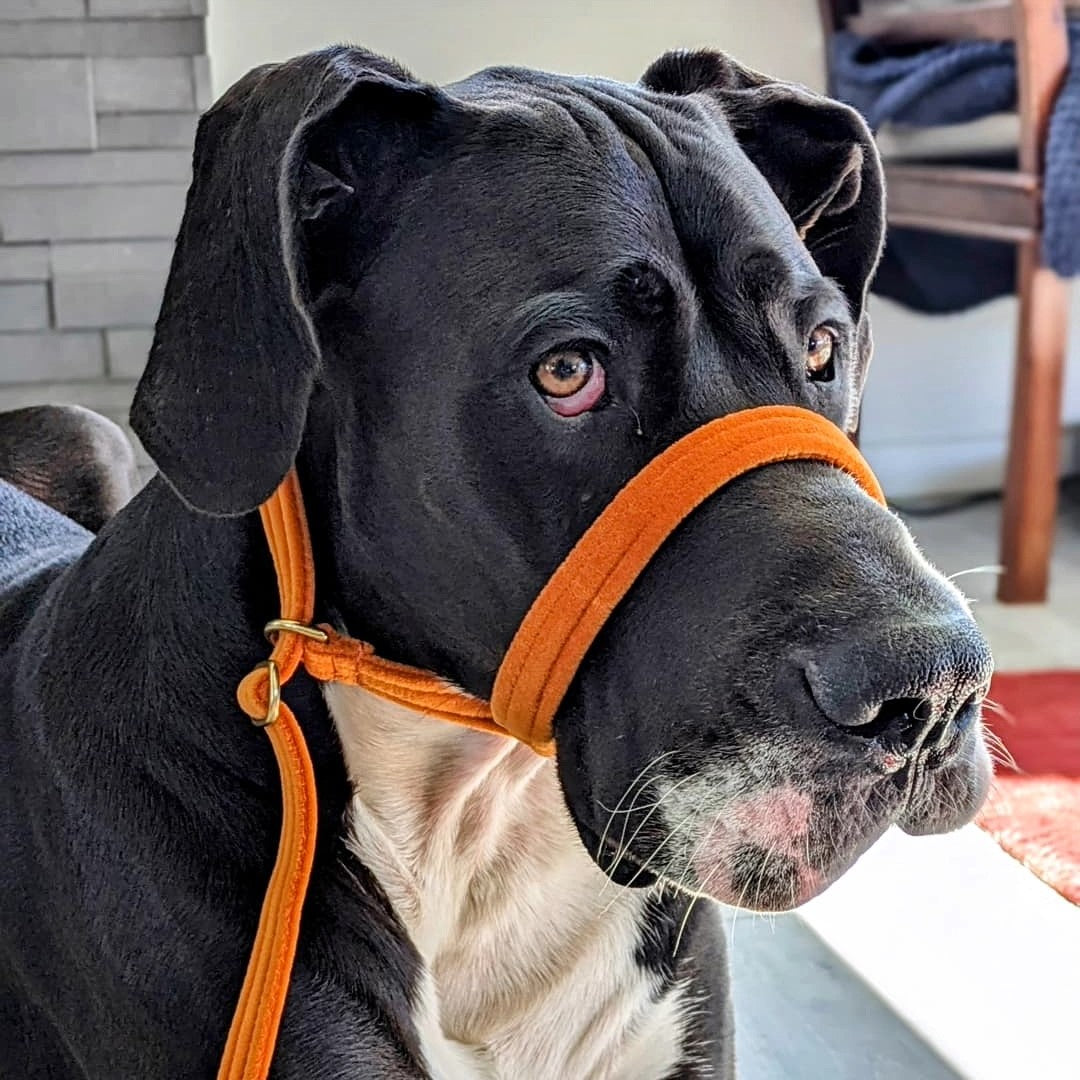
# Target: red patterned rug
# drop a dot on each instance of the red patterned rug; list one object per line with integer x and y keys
{"x": 1034, "y": 810}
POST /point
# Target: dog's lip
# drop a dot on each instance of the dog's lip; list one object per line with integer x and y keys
{"x": 611, "y": 857}
{"x": 946, "y": 794}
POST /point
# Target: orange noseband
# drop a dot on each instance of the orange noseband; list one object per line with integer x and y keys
{"x": 532, "y": 681}
{"x": 565, "y": 618}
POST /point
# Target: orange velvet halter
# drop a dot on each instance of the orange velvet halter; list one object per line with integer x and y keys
{"x": 532, "y": 681}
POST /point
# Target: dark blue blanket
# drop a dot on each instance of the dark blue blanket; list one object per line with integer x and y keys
{"x": 1061, "y": 240}
{"x": 36, "y": 544}
{"x": 925, "y": 87}
{"x": 952, "y": 84}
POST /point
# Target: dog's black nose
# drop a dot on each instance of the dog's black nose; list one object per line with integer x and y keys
{"x": 912, "y": 687}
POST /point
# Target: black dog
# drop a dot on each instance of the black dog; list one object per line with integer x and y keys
{"x": 470, "y": 315}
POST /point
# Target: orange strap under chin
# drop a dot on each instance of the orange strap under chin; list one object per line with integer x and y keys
{"x": 535, "y": 674}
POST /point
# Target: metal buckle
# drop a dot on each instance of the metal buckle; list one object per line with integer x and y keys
{"x": 275, "y": 626}
{"x": 273, "y": 703}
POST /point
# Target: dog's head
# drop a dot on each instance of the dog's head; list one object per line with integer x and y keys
{"x": 472, "y": 314}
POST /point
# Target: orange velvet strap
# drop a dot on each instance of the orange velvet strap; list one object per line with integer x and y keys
{"x": 249, "y": 1048}
{"x": 532, "y": 681}
{"x": 343, "y": 659}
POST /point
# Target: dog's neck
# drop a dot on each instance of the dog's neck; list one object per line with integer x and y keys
{"x": 529, "y": 950}
{"x": 169, "y": 605}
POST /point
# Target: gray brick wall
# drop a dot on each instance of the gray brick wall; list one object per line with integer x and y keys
{"x": 98, "y": 105}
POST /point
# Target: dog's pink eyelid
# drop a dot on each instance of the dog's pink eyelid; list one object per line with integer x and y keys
{"x": 581, "y": 401}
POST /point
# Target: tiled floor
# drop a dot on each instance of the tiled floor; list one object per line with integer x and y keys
{"x": 934, "y": 958}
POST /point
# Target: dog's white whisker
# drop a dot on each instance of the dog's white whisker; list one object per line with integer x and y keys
{"x": 704, "y": 837}
{"x": 683, "y": 924}
{"x": 620, "y": 847}
{"x": 997, "y": 749}
{"x": 645, "y": 820}
{"x": 736, "y": 911}
{"x": 760, "y": 876}
{"x": 642, "y": 867}
{"x": 990, "y": 568}
{"x": 629, "y": 788}
{"x": 622, "y": 850}
{"x": 653, "y": 762}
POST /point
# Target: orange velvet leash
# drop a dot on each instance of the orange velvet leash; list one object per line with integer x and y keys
{"x": 252, "y": 1037}
{"x": 532, "y": 681}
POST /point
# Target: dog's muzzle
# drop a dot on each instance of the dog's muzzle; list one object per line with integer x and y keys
{"x": 532, "y": 681}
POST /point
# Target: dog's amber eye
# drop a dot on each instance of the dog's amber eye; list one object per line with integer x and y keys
{"x": 819, "y": 354}
{"x": 572, "y": 381}
{"x": 561, "y": 374}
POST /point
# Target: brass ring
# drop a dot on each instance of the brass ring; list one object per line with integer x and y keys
{"x": 292, "y": 627}
{"x": 273, "y": 703}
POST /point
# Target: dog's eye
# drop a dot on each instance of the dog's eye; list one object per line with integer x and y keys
{"x": 572, "y": 381}
{"x": 819, "y": 354}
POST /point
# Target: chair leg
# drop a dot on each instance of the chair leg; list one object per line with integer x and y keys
{"x": 1031, "y": 481}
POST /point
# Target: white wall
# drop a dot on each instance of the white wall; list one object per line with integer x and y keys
{"x": 936, "y": 414}
{"x": 441, "y": 40}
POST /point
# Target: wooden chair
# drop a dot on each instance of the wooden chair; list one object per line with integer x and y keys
{"x": 1002, "y": 205}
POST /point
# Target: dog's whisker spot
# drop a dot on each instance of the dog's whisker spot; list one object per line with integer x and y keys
{"x": 633, "y": 412}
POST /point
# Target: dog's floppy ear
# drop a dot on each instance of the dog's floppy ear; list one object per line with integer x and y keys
{"x": 817, "y": 155}
{"x": 222, "y": 403}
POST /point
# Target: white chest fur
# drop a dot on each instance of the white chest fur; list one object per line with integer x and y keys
{"x": 528, "y": 949}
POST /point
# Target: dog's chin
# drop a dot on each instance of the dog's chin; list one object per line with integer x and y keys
{"x": 771, "y": 849}
{"x": 780, "y": 847}
{"x": 764, "y": 881}
{"x": 762, "y": 870}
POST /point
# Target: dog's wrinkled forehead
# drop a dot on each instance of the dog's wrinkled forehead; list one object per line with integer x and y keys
{"x": 631, "y": 168}
{"x": 747, "y": 169}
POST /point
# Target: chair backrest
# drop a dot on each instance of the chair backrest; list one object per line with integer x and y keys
{"x": 1037, "y": 27}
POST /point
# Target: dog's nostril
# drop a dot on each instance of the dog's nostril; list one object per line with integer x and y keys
{"x": 900, "y": 722}
{"x": 906, "y": 726}
{"x": 946, "y": 736}
{"x": 916, "y": 690}
{"x": 969, "y": 712}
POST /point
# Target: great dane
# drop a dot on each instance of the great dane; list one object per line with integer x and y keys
{"x": 469, "y": 315}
